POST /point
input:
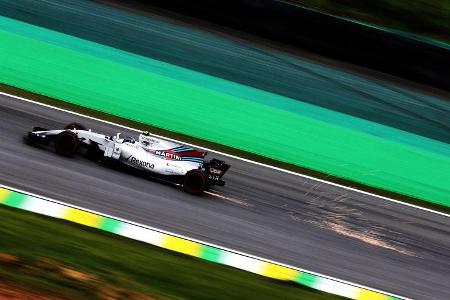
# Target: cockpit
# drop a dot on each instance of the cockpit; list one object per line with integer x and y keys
{"x": 129, "y": 139}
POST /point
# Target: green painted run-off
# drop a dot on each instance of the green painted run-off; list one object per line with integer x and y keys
{"x": 72, "y": 70}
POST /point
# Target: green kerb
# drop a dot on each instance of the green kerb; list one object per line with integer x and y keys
{"x": 15, "y": 199}
{"x": 109, "y": 224}
{"x": 307, "y": 279}
{"x": 210, "y": 253}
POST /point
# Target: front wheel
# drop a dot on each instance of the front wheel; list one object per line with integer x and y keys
{"x": 66, "y": 143}
{"x": 195, "y": 182}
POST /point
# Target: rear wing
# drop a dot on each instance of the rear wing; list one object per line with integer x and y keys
{"x": 215, "y": 169}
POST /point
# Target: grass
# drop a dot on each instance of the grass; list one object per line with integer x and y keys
{"x": 56, "y": 257}
{"x": 426, "y": 18}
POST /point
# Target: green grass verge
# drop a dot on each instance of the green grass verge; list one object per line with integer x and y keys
{"x": 107, "y": 263}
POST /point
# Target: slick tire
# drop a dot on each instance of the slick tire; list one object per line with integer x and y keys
{"x": 195, "y": 182}
{"x": 76, "y": 126}
{"x": 66, "y": 143}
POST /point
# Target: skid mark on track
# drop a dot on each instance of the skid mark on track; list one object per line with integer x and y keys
{"x": 368, "y": 236}
{"x": 230, "y": 199}
{"x": 332, "y": 212}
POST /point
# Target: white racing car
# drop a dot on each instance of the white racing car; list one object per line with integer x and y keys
{"x": 161, "y": 159}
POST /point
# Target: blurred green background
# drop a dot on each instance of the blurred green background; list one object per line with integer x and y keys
{"x": 428, "y": 18}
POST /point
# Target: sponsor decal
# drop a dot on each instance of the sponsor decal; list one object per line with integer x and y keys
{"x": 167, "y": 155}
{"x": 215, "y": 171}
{"x": 214, "y": 177}
{"x": 141, "y": 163}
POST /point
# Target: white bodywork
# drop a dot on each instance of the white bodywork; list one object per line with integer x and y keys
{"x": 147, "y": 153}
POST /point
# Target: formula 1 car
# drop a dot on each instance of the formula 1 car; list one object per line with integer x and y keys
{"x": 159, "y": 158}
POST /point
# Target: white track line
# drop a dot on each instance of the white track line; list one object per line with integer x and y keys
{"x": 232, "y": 156}
{"x": 200, "y": 241}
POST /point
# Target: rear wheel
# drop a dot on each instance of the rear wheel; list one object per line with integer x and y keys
{"x": 66, "y": 143}
{"x": 76, "y": 126}
{"x": 195, "y": 182}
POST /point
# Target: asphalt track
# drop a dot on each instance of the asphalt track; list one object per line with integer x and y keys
{"x": 260, "y": 211}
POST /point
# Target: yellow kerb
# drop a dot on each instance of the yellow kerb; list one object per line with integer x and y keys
{"x": 82, "y": 217}
{"x": 279, "y": 272}
{"x": 183, "y": 246}
{"x": 370, "y": 295}
{"x": 4, "y": 193}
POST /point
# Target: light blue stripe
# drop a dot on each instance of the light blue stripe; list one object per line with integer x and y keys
{"x": 193, "y": 160}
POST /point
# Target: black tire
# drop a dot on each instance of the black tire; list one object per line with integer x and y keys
{"x": 66, "y": 143}
{"x": 195, "y": 182}
{"x": 76, "y": 126}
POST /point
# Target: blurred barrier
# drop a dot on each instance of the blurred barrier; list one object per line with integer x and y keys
{"x": 158, "y": 94}
{"x": 338, "y": 38}
{"x": 187, "y": 246}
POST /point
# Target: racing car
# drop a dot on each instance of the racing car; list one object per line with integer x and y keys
{"x": 159, "y": 158}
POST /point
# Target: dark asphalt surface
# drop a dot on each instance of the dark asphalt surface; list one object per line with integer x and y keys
{"x": 261, "y": 211}
{"x": 220, "y": 53}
